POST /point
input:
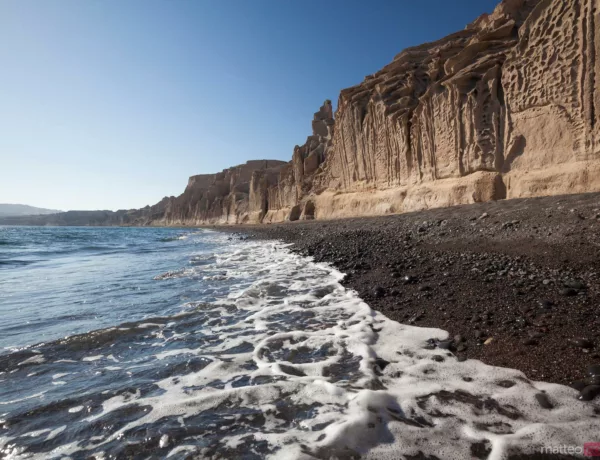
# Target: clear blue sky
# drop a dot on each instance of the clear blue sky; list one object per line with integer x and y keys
{"x": 113, "y": 104}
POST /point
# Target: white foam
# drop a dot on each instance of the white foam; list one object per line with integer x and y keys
{"x": 38, "y": 359}
{"x": 92, "y": 358}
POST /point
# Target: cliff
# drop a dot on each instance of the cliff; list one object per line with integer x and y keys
{"x": 505, "y": 108}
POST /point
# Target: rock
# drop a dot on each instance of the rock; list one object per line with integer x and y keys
{"x": 544, "y": 401}
{"x": 381, "y": 363}
{"x": 594, "y": 370}
{"x": 484, "y": 216}
{"x": 291, "y": 370}
{"x": 530, "y": 342}
{"x": 579, "y": 385}
{"x": 583, "y": 343}
{"x": 547, "y": 304}
{"x": 568, "y": 292}
{"x": 510, "y": 224}
{"x": 574, "y": 284}
{"x": 589, "y": 392}
{"x": 379, "y": 292}
{"x": 444, "y": 344}
{"x": 488, "y": 341}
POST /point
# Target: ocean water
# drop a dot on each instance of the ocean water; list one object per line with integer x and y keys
{"x": 179, "y": 343}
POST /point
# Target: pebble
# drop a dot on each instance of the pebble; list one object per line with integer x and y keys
{"x": 568, "y": 292}
{"x": 542, "y": 399}
{"x": 589, "y": 392}
{"x": 379, "y": 292}
{"x": 444, "y": 344}
{"x": 594, "y": 370}
{"x": 574, "y": 284}
{"x": 579, "y": 385}
{"x": 381, "y": 363}
{"x": 291, "y": 370}
{"x": 583, "y": 343}
{"x": 488, "y": 341}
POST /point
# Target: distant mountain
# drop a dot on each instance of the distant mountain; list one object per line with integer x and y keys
{"x": 23, "y": 210}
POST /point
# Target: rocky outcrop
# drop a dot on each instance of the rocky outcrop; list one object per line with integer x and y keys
{"x": 504, "y": 108}
{"x": 234, "y": 196}
{"x": 287, "y": 196}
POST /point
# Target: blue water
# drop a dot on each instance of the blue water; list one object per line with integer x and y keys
{"x": 60, "y": 281}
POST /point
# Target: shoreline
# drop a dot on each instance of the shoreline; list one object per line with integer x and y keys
{"x": 516, "y": 283}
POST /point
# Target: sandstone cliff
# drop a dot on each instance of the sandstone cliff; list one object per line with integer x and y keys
{"x": 507, "y": 107}
{"x": 232, "y": 196}
{"x": 504, "y": 108}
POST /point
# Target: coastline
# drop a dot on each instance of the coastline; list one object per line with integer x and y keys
{"x": 516, "y": 283}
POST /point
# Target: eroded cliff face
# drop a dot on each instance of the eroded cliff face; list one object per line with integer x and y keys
{"x": 507, "y": 107}
{"x": 502, "y": 109}
{"x": 223, "y": 198}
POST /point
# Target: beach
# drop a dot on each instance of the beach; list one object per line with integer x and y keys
{"x": 514, "y": 282}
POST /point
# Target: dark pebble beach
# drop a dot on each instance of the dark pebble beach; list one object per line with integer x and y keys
{"x": 516, "y": 282}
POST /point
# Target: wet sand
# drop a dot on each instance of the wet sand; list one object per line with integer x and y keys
{"x": 515, "y": 282}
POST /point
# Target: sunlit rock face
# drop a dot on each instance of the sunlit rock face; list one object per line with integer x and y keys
{"x": 505, "y": 108}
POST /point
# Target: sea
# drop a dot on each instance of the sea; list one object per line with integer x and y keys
{"x": 191, "y": 343}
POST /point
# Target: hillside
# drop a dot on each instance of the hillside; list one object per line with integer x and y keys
{"x": 7, "y": 209}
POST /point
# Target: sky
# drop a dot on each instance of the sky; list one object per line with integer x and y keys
{"x": 113, "y": 104}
